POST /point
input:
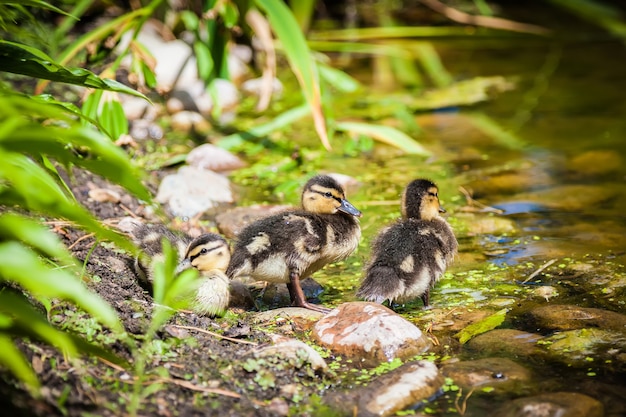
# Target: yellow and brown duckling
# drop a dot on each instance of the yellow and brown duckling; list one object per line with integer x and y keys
{"x": 208, "y": 253}
{"x": 411, "y": 255}
{"x": 288, "y": 246}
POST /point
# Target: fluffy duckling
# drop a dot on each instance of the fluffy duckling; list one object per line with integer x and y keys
{"x": 411, "y": 255}
{"x": 287, "y": 246}
{"x": 208, "y": 253}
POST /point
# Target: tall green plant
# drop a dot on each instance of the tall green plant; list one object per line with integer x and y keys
{"x": 37, "y": 134}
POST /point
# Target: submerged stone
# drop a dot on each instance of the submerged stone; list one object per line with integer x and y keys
{"x": 569, "y": 317}
{"x": 499, "y": 373}
{"x": 555, "y": 404}
{"x": 506, "y": 341}
{"x": 407, "y": 385}
{"x": 587, "y": 347}
{"x": 369, "y": 333}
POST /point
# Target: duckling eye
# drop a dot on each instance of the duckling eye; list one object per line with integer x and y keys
{"x": 433, "y": 194}
{"x": 328, "y": 194}
{"x": 204, "y": 251}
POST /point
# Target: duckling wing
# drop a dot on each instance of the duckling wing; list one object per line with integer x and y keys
{"x": 272, "y": 247}
{"x": 407, "y": 259}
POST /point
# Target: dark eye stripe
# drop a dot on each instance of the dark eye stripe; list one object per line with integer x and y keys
{"x": 327, "y": 195}
{"x": 203, "y": 251}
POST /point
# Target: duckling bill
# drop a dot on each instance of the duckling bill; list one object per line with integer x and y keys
{"x": 411, "y": 255}
{"x": 285, "y": 247}
{"x": 208, "y": 253}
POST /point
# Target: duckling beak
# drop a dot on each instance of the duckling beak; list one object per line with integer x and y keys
{"x": 348, "y": 208}
{"x": 442, "y": 210}
{"x": 184, "y": 264}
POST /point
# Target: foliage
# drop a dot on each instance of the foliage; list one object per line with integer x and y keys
{"x": 37, "y": 135}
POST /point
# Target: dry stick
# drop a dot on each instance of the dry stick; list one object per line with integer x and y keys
{"x": 463, "y": 407}
{"x": 538, "y": 271}
{"x": 194, "y": 387}
{"x": 80, "y": 239}
{"x": 219, "y": 336}
{"x": 485, "y": 21}
{"x": 470, "y": 200}
{"x": 129, "y": 211}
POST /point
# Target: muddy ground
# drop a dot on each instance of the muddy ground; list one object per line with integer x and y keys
{"x": 189, "y": 372}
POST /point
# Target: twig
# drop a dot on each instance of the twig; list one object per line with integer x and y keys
{"x": 538, "y": 271}
{"x": 485, "y": 21}
{"x": 111, "y": 364}
{"x": 470, "y": 201}
{"x": 70, "y": 247}
{"x": 194, "y": 387}
{"x": 129, "y": 211}
{"x": 219, "y": 336}
{"x": 463, "y": 407}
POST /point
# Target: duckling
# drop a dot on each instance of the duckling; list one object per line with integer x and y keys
{"x": 293, "y": 244}
{"x": 411, "y": 255}
{"x": 208, "y": 253}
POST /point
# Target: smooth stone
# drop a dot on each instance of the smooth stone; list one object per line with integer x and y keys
{"x": 500, "y": 373}
{"x": 293, "y": 351}
{"x": 275, "y": 295}
{"x": 231, "y": 222}
{"x": 240, "y": 296}
{"x": 596, "y": 162}
{"x": 192, "y": 191}
{"x": 511, "y": 182}
{"x": 571, "y": 197}
{"x": 254, "y": 86}
{"x": 569, "y": 317}
{"x": 216, "y": 159}
{"x": 506, "y": 341}
{"x": 554, "y": 404}
{"x": 582, "y": 348}
{"x": 186, "y": 121}
{"x": 394, "y": 391}
{"x": 369, "y": 333}
{"x": 478, "y": 224}
{"x": 298, "y": 317}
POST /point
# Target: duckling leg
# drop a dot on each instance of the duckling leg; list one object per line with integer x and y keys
{"x": 426, "y": 298}
{"x": 297, "y": 295}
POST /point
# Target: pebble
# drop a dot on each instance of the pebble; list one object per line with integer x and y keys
{"x": 192, "y": 191}
{"x": 293, "y": 351}
{"x": 569, "y": 317}
{"x": 369, "y": 334}
{"x": 214, "y": 158}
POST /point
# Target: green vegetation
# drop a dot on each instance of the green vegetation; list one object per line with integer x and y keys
{"x": 47, "y": 129}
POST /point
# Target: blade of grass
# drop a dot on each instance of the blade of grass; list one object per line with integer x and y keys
{"x": 299, "y": 56}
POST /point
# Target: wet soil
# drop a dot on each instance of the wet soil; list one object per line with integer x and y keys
{"x": 189, "y": 372}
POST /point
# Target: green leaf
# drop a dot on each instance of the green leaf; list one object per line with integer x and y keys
{"x": 25, "y": 315}
{"x": 32, "y": 188}
{"x": 22, "y": 266}
{"x": 16, "y": 227}
{"x": 384, "y": 134}
{"x": 486, "y": 324}
{"x": 204, "y": 59}
{"x": 339, "y": 79}
{"x": 35, "y": 3}
{"x": 11, "y": 357}
{"x": 21, "y": 59}
{"x": 299, "y": 56}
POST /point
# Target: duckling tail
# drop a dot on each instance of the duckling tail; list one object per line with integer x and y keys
{"x": 381, "y": 283}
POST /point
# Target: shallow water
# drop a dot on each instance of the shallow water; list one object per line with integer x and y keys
{"x": 560, "y": 196}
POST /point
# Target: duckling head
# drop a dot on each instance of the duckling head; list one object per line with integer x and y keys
{"x": 323, "y": 195}
{"x": 420, "y": 200}
{"x": 207, "y": 252}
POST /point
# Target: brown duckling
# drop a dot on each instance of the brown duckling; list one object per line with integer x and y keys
{"x": 288, "y": 246}
{"x": 411, "y": 255}
{"x": 208, "y": 253}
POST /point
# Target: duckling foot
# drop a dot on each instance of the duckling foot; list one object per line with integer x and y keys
{"x": 297, "y": 296}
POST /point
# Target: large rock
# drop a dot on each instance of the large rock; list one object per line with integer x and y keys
{"x": 407, "y": 385}
{"x": 369, "y": 333}
{"x": 499, "y": 373}
{"x": 570, "y": 317}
